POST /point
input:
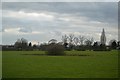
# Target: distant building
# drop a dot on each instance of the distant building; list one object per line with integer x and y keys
{"x": 103, "y": 37}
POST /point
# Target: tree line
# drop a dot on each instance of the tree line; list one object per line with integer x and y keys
{"x": 69, "y": 42}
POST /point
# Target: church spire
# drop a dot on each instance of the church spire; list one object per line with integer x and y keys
{"x": 103, "y": 37}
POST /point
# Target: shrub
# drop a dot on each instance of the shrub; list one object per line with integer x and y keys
{"x": 55, "y": 49}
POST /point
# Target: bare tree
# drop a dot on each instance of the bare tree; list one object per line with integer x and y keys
{"x": 65, "y": 41}
{"x": 111, "y": 41}
{"x": 89, "y": 41}
{"x": 76, "y": 41}
{"x": 18, "y": 44}
{"x": 113, "y": 44}
{"x": 52, "y": 41}
{"x": 81, "y": 39}
{"x": 64, "y": 38}
{"x": 71, "y": 38}
{"x": 21, "y": 43}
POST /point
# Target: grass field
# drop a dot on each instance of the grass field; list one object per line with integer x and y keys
{"x": 17, "y": 64}
{"x": 0, "y": 64}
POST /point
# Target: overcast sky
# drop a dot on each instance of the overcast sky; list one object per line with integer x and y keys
{"x": 60, "y": 0}
{"x": 42, "y": 21}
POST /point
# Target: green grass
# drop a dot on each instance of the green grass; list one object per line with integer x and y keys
{"x": 0, "y": 64}
{"x": 96, "y": 65}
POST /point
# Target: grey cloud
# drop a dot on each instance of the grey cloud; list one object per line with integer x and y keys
{"x": 39, "y": 25}
{"x": 25, "y": 30}
{"x": 60, "y": 1}
{"x": 104, "y": 11}
{"x": 3, "y": 30}
{"x": 55, "y": 33}
{"x": 101, "y": 12}
{"x": 58, "y": 33}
